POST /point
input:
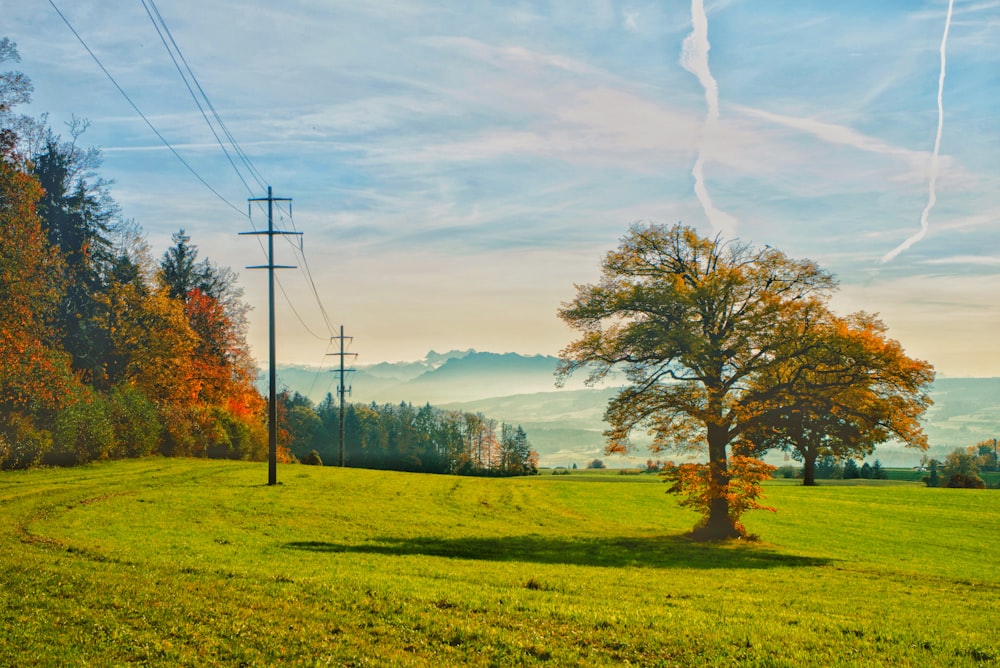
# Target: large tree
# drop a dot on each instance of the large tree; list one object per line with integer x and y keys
{"x": 693, "y": 322}
{"x": 854, "y": 389}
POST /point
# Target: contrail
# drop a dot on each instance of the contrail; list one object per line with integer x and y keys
{"x": 694, "y": 59}
{"x": 932, "y": 192}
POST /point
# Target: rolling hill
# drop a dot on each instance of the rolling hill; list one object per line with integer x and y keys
{"x": 565, "y": 425}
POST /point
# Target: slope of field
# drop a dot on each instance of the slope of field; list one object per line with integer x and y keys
{"x": 180, "y": 562}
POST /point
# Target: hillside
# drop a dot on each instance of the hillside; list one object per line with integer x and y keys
{"x": 166, "y": 562}
{"x": 565, "y": 425}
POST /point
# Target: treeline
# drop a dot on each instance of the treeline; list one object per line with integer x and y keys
{"x": 104, "y": 351}
{"x": 402, "y": 437}
{"x": 107, "y": 352}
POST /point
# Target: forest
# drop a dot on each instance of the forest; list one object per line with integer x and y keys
{"x": 404, "y": 438}
{"x": 107, "y": 352}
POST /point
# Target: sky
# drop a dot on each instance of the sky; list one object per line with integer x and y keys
{"x": 456, "y": 167}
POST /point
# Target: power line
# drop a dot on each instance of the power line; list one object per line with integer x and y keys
{"x": 165, "y": 34}
{"x": 139, "y": 111}
{"x": 307, "y": 271}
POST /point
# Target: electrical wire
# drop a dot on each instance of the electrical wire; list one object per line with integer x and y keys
{"x": 156, "y": 18}
{"x": 307, "y": 272}
{"x": 139, "y": 111}
{"x": 163, "y": 30}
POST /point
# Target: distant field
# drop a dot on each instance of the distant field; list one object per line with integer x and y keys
{"x": 181, "y": 562}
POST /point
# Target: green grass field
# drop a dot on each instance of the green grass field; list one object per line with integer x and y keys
{"x": 181, "y": 562}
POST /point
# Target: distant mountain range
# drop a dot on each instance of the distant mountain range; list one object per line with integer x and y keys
{"x": 458, "y": 375}
{"x": 565, "y": 425}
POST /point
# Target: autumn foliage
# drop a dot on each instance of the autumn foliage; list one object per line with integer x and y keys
{"x": 738, "y": 484}
{"x": 104, "y": 354}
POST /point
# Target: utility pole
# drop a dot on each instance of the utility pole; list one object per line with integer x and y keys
{"x": 272, "y": 407}
{"x": 342, "y": 389}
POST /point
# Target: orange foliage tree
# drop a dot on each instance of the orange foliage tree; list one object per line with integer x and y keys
{"x": 854, "y": 389}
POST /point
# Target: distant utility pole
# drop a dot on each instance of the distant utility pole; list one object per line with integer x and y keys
{"x": 341, "y": 388}
{"x": 272, "y": 407}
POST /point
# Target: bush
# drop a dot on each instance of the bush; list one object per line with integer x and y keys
{"x": 962, "y": 469}
{"x": 313, "y": 459}
{"x": 966, "y": 482}
{"x": 83, "y": 431}
{"x": 596, "y": 464}
{"x": 22, "y": 445}
{"x": 135, "y": 421}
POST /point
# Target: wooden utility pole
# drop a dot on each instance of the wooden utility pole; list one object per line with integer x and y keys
{"x": 272, "y": 407}
{"x": 342, "y": 389}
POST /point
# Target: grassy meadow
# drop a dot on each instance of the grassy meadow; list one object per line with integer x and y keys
{"x": 188, "y": 562}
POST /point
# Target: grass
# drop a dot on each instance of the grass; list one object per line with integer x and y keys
{"x": 182, "y": 562}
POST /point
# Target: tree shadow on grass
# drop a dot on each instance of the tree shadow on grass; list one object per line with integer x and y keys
{"x": 654, "y": 552}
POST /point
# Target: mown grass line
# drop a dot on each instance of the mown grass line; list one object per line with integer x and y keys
{"x": 181, "y": 562}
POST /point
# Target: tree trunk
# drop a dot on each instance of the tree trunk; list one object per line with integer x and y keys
{"x": 719, "y": 525}
{"x": 809, "y": 470}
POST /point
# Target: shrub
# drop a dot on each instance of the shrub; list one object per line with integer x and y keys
{"x": 962, "y": 469}
{"x": 966, "y": 482}
{"x": 596, "y": 464}
{"x": 313, "y": 459}
{"x": 135, "y": 421}
{"x": 22, "y": 444}
{"x": 83, "y": 430}
{"x": 787, "y": 471}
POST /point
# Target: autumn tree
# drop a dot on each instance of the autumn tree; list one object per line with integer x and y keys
{"x": 35, "y": 375}
{"x": 851, "y": 389}
{"x": 692, "y": 323}
{"x": 962, "y": 470}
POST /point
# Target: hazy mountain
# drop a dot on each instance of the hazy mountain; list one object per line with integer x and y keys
{"x": 566, "y": 425}
{"x": 439, "y": 378}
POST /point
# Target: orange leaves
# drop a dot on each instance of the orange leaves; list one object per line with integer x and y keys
{"x": 737, "y": 481}
{"x": 32, "y": 370}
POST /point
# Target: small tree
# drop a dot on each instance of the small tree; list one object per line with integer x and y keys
{"x": 851, "y": 470}
{"x": 827, "y": 467}
{"x": 934, "y": 479}
{"x": 962, "y": 470}
{"x": 595, "y": 464}
{"x": 313, "y": 459}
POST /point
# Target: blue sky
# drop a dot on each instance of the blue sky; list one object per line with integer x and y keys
{"x": 456, "y": 167}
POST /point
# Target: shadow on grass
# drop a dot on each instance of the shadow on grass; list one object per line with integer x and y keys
{"x": 658, "y": 552}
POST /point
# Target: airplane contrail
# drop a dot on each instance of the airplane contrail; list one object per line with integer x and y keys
{"x": 694, "y": 59}
{"x": 932, "y": 188}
